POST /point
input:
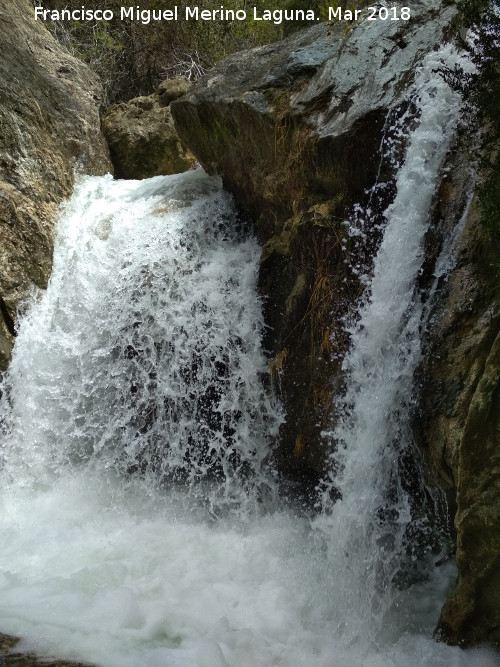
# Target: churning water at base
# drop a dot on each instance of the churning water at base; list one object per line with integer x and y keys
{"x": 140, "y": 523}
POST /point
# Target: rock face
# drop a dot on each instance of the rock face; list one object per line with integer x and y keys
{"x": 461, "y": 403}
{"x": 49, "y": 128}
{"x": 141, "y": 135}
{"x": 294, "y": 130}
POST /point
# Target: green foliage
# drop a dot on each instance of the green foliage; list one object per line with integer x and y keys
{"x": 298, "y": 4}
{"x": 132, "y": 58}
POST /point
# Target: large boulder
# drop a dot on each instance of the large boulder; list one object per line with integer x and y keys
{"x": 142, "y": 137}
{"x": 49, "y": 130}
{"x": 302, "y": 117}
{"x": 294, "y": 130}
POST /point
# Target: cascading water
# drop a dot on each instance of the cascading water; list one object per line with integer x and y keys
{"x": 140, "y": 523}
{"x": 370, "y": 522}
{"x": 154, "y": 357}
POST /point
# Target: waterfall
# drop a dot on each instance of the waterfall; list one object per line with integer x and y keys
{"x": 140, "y": 521}
{"x": 168, "y": 386}
{"x": 366, "y": 528}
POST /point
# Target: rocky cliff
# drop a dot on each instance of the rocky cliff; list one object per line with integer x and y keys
{"x": 49, "y": 130}
{"x": 461, "y": 428}
{"x": 294, "y": 130}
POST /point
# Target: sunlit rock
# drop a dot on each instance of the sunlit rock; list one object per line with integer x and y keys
{"x": 141, "y": 134}
{"x": 49, "y": 129}
{"x": 294, "y": 129}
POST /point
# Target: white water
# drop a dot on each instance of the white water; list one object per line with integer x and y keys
{"x": 372, "y": 430}
{"x": 139, "y": 520}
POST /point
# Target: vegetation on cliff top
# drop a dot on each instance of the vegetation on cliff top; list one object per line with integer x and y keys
{"x": 133, "y": 58}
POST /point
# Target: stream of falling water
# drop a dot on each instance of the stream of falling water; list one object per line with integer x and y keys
{"x": 140, "y": 521}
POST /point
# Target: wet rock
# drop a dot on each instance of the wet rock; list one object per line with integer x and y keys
{"x": 141, "y": 134}
{"x": 293, "y": 129}
{"x": 10, "y": 657}
{"x": 49, "y": 129}
{"x": 461, "y": 417}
